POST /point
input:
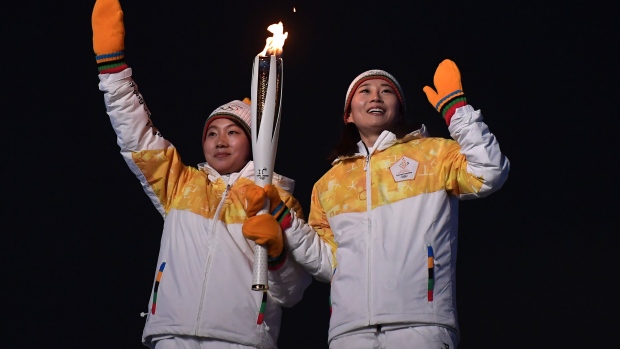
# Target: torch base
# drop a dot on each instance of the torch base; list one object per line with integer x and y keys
{"x": 260, "y": 287}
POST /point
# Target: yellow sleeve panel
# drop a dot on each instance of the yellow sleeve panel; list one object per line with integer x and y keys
{"x": 186, "y": 188}
{"x": 162, "y": 170}
{"x": 318, "y": 221}
{"x": 457, "y": 180}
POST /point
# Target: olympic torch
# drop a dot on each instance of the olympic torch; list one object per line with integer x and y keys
{"x": 266, "y": 107}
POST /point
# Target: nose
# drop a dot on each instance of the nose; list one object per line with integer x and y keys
{"x": 376, "y": 97}
{"x": 220, "y": 142}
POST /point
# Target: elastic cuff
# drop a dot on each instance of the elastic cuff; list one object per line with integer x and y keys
{"x": 284, "y": 218}
{"x": 448, "y": 109}
{"x": 277, "y": 209}
{"x": 277, "y": 262}
{"x": 111, "y": 62}
{"x": 286, "y": 221}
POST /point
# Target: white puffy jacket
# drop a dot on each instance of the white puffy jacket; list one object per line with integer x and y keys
{"x": 383, "y": 224}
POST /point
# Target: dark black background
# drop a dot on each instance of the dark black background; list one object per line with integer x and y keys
{"x": 537, "y": 260}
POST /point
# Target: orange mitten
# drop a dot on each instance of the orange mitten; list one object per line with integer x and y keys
{"x": 449, "y": 95}
{"x": 108, "y": 36}
{"x": 254, "y": 199}
{"x": 264, "y": 229}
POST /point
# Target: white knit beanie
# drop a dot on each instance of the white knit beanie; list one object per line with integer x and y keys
{"x": 373, "y": 74}
{"x": 238, "y": 111}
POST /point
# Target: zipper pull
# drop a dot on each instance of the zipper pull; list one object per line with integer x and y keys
{"x": 367, "y": 157}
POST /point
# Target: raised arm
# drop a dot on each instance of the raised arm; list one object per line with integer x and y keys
{"x": 149, "y": 156}
{"x": 477, "y": 168}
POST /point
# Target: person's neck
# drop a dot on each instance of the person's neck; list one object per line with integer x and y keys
{"x": 369, "y": 140}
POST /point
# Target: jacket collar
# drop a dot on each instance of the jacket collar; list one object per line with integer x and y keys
{"x": 385, "y": 140}
{"x": 246, "y": 172}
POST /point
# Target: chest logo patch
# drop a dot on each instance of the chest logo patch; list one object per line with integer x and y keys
{"x": 404, "y": 169}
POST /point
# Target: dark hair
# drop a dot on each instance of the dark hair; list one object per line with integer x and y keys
{"x": 350, "y": 136}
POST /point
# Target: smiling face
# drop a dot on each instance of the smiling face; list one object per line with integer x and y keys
{"x": 226, "y": 146}
{"x": 374, "y": 108}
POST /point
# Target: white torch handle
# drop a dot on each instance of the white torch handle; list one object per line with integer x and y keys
{"x": 260, "y": 269}
{"x": 265, "y": 134}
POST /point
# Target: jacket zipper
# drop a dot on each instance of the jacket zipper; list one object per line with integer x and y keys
{"x": 369, "y": 242}
{"x": 204, "y": 282}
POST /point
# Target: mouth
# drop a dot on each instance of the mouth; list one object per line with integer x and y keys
{"x": 376, "y": 111}
{"x": 221, "y": 155}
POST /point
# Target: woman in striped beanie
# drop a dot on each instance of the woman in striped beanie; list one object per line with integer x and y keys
{"x": 383, "y": 220}
{"x": 201, "y": 292}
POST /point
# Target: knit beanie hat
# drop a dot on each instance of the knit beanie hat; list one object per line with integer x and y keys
{"x": 373, "y": 74}
{"x": 237, "y": 111}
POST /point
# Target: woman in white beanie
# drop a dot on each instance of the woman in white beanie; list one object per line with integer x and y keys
{"x": 383, "y": 223}
{"x": 201, "y": 295}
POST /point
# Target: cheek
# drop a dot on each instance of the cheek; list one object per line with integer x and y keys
{"x": 246, "y": 149}
{"x": 396, "y": 106}
{"x": 241, "y": 147}
{"x": 206, "y": 147}
{"x": 357, "y": 103}
{"x": 356, "y": 109}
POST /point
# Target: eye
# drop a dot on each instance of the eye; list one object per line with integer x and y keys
{"x": 387, "y": 90}
{"x": 211, "y": 134}
{"x": 363, "y": 90}
{"x": 233, "y": 132}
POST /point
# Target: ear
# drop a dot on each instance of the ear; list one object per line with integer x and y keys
{"x": 349, "y": 119}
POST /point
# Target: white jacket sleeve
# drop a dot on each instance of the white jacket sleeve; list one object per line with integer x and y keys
{"x": 135, "y": 132}
{"x": 288, "y": 283}
{"x": 309, "y": 250}
{"x": 481, "y": 150}
{"x": 129, "y": 115}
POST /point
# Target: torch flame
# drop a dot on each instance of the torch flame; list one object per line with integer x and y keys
{"x": 276, "y": 42}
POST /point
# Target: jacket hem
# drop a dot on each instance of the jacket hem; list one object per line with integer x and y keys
{"x": 402, "y": 319}
{"x": 210, "y": 333}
